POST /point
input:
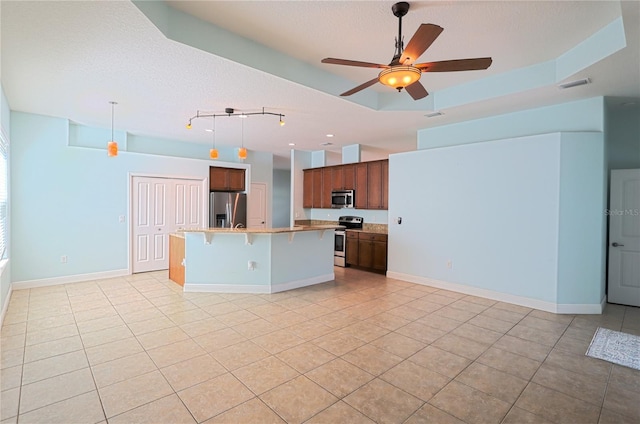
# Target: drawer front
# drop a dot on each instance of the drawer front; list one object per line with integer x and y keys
{"x": 351, "y": 234}
{"x": 373, "y": 237}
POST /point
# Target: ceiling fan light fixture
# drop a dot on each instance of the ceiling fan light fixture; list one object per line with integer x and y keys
{"x": 399, "y": 76}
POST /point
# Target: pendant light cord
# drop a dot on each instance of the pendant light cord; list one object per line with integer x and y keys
{"x": 112, "y": 107}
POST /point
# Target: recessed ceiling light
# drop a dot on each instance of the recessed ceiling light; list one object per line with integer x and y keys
{"x": 208, "y": 130}
{"x": 329, "y": 135}
{"x": 434, "y": 114}
{"x": 292, "y": 144}
{"x": 575, "y": 83}
{"x": 326, "y": 143}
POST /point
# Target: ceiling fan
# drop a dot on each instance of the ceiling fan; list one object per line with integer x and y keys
{"x": 403, "y": 72}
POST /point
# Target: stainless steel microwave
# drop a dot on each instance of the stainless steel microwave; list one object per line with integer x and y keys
{"x": 342, "y": 199}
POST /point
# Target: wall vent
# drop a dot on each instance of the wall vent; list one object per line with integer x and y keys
{"x": 575, "y": 83}
{"x": 434, "y": 114}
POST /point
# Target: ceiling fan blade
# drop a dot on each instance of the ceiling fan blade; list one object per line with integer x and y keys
{"x": 334, "y": 61}
{"x": 417, "y": 90}
{"x": 421, "y": 40}
{"x": 360, "y": 87}
{"x": 455, "y": 65}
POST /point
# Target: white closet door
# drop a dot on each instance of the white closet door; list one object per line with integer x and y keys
{"x": 160, "y": 207}
{"x": 150, "y": 224}
{"x": 187, "y": 204}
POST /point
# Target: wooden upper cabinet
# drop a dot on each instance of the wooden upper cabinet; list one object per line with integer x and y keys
{"x": 326, "y": 187}
{"x": 226, "y": 179}
{"x": 369, "y": 180}
{"x": 307, "y": 189}
{"x": 349, "y": 177}
{"x": 361, "y": 185}
{"x": 337, "y": 174}
{"x": 236, "y": 179}
{"x": 378, "y": 184}
{"x": 317, "y": 188}
{"x": 385, "y": 184}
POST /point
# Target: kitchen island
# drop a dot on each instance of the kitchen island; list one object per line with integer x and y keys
{"x": 224, "y": 260}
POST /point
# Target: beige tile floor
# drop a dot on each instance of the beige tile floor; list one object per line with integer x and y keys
{"x": 362, "y": 349}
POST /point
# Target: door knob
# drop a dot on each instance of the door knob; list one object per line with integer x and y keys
{"x": 617, "y": 244}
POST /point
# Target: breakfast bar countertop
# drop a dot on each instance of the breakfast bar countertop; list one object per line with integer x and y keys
{"x": 293, "y": 229}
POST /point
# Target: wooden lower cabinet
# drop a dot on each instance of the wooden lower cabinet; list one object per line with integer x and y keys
{"x": 176, "y": 255}
{"x": 367, "y": 250}
{"x": 351, "y": 248}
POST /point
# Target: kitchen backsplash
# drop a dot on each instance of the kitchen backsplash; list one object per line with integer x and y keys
{"x": 377, "y": 228}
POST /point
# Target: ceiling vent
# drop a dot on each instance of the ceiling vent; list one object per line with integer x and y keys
{"x": 434, "y": 114}
{"x": 575, "y": 83}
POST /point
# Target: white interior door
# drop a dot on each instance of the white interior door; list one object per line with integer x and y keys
{"x": 160, "y": 206}
{"x": 624, "y": 237}
{"x": 150, "y": 232}
{"x": 257, "y": 206}
{"x": 187, "y": 204}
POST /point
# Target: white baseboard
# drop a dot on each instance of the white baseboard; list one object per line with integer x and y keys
{"x": 225, "y": 288}
{"x": 257, "y": 288}
{"x": 276, "y": 288}
{"x": 77, "y": 278}
{"x": 5, "y": 307}
{"x": 542, "y": 305}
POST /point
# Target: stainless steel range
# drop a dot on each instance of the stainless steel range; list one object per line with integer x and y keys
{"x": 349, "y": 222}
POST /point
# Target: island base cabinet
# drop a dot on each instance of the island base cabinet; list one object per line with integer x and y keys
{"x": 176, "y": 255}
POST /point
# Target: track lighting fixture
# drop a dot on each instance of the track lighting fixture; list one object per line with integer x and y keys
{"x": 229, "y": 111}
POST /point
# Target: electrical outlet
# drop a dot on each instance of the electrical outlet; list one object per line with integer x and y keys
{"x": 450, "y": 264}
{"x": 63, "y": 259}
{"x": 251, "y": 265}
{"x": 121, "y": 219}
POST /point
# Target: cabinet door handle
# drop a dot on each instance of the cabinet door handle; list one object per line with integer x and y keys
{"x": 614, "y": 244}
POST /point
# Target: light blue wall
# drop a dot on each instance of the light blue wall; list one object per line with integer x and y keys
{"x": 351, "y": 153}
{"x": 5, "y": 113}
{"x": 623, "y": 137}
{"x": 489, "y": 208}
{"x": 281, "y": 198}
{"x": 68, "y": 199}
{"x": 5, "y": 273}
{"x": 582, "y": 232}
{"x": 582, "y": 115}
{"x": 548, "y": 207}
{"x": 277, "y": 258}
{"x": 300, "y": 160}
{"x": 370, "y": 216}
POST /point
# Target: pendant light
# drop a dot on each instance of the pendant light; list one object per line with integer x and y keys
{"x": 112, "y": 146}
{"x": 213, "y": 153}
{"x": 242, "y": 151}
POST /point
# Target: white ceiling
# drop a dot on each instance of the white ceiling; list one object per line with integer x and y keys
{"x": 69, "y": 59}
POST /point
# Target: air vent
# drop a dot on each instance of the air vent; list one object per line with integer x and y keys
{"x": 575, "y": 83}
{"x": 326, "y": 144}
{"x": 434, "y": 114}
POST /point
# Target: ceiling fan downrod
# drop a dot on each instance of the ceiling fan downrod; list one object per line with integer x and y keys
{"x": 399, "y": 10}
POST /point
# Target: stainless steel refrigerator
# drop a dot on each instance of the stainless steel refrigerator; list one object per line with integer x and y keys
{"x": 227, "y": 210}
